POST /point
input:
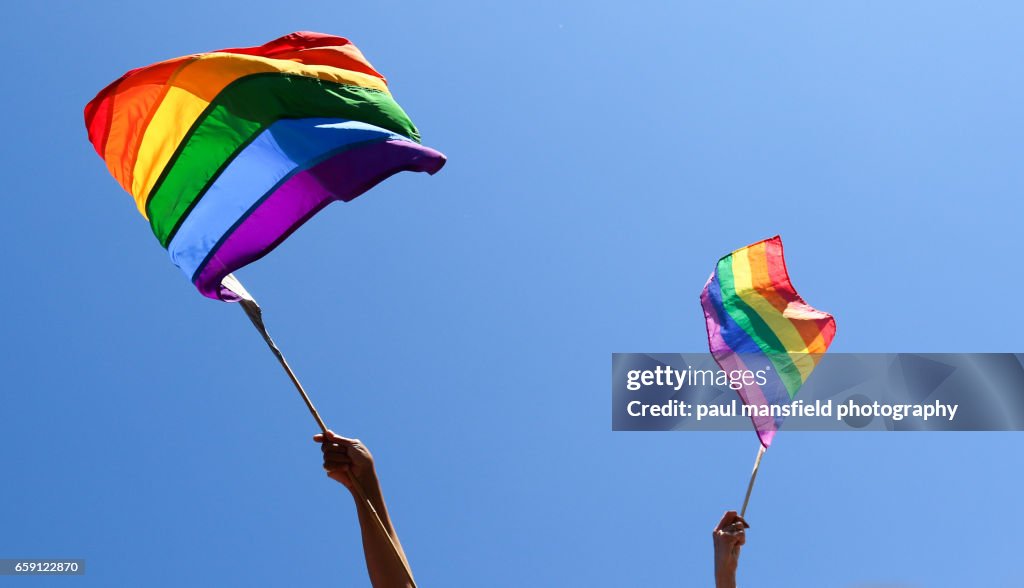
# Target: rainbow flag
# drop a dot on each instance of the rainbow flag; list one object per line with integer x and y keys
{"x": 757, "y": 321}
{"x": 226, "y": 153}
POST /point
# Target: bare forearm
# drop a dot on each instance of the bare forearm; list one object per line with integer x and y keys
{"x": 725, "y": 567}
{"x": 385, "y": 559}
{"x": 349, "y": 462}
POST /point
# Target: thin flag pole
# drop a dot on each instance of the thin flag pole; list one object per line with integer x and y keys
{"x": 753, "y": 476}
{"x": 255, "y": 314}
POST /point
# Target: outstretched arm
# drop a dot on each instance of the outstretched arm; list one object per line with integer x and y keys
{"x": 349, "y": 462}
{"x": 728, "y": 536}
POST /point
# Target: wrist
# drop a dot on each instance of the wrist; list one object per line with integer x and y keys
{"x": 365, "y": 487}
{"x": 367, "y": 483}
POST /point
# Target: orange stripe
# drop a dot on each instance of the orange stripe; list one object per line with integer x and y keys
{"x": 810, "y": 322}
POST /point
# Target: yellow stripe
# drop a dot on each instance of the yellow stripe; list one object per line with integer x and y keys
{"x": 783, "y": 329}
{"x": 175, "y": 117}
{"x": 194, "y": 87}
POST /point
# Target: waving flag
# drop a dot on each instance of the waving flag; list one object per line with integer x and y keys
{"x": 757, "y": 321}
{"x": 228, "y": 152}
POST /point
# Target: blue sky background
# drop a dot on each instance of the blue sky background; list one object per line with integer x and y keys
{"x": 602, "y": 157}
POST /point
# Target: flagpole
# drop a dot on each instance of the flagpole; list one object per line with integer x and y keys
{"x": 255, "y": 314}
{"x": 753, "y": 476}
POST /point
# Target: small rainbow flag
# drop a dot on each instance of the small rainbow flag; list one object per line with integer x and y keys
{"x": 756, "y": 321}
{"x": 227, "y": 152}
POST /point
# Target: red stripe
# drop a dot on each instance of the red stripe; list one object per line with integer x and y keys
{"x": 97, "y": 118}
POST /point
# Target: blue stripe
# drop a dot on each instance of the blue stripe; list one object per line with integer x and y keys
{"x": 774, "y": 389}
{"x": 279, "y": 152}
{"x": 732, "y": 333}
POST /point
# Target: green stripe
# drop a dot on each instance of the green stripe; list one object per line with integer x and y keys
{"x": 237, "y": 115}
{"x": 751, "y": 322}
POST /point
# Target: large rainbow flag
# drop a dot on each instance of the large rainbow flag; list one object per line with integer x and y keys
{"x": 757, "y": 321}
{"x": 227, "y": 152}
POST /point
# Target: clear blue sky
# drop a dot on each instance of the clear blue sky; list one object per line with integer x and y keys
{"x": 601, "y": 158}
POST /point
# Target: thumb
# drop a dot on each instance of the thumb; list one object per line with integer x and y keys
{"x": 319, "y": 437}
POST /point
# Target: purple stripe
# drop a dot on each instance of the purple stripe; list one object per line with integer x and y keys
{"x": 748, "y": 356}
{"x": 342, "y": 177}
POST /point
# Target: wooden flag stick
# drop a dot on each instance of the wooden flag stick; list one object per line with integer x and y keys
{"x": 255, "y": 314}
{"x": 753, "y": 476}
